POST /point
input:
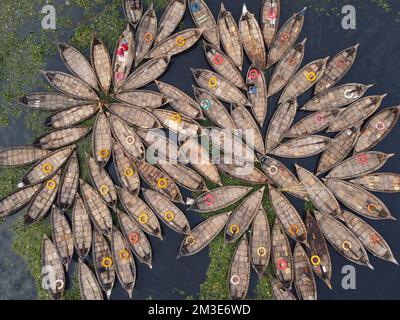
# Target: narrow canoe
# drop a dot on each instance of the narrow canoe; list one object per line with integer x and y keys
{"x": 218, "y": 199}
{"x": 134, "y": 116}
{"x": 369, "y": 237}
{"x": 270, "y": 12}
{"x": 304, "y": 281}
{"x": 50, "y": 101}
{"x": 252, "y": 38}
{"x": 136, "y": 238}
{"x": 340, "y": 146}
{"x": 257, "y": 92}
{"x": 379, "y": 182}
{"x": 102, "y": 139}
{"x": 282, "y": 256}
{"x": 239, "y": 271}
{"x": 286, "y": 68}
{"x": 377, "y": 128}
{"x": 202, "y": 235}
{"x": 260, "y": 243}
{"x": 177, "y": 122}
{"x": 61, "y": 138}
{"x": 168, "y": 213}
{"x": 170, "y": 19}
{"x": 101, "y": 63}
{"x": 280, "y": 292}
{"x": 127, "y": 174}
{"x": 320, "y": 196}
{"x": 241, "y": 218}
{"x": 72, "y": 116}
{"x": 141, "y": 212}
{"x": 21, "y": 156}
{"x": 304, "y": 79}
{"x": 88, "y": 285}
{"x": 69, "y": 183}
{"x": 81, "y": 228}
{"x": 288, "y": 216}
{"x": 336, "y": 69}
{"x": 302, "y": 147}
{"x": 124, "y": 262}
{"x": 203, "y": 18}
{"x": 97, "y": 209}
{"x": 145, "y": 99}
{"x": 342, "y": 239}
{"x": 230, "y": 37}
{"x": 52, "y": 267}
{"x": 17, "y": 200}
{"x": 359, "y": 200}
{"x": 133, "y": 10}
{"x": 356, "y": 112}
{"x": 145, "y": 34}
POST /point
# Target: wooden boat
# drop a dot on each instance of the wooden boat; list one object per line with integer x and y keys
{"x": 303, "y": 147}
{"x": 219, "y": 86}
{"x": 356, "y": 112}
{"x": 218, "y": 199}
{"x": 317, "y": 251}
{"x": 145, "y": 34}
{"x": 134, "y": 116}
{"x": 281, "y": 177}
{"x": 57, "y": 139}
{"x": 42, "y": 200}
{"x": 199, "y": 158}
{"x": 213, "y": 109}
{"x": 127, "y": 174}
{"x": 133, "y": 10}
{"x": 177, "y": 122}
{"x": 126, "y": 137}
{"x": 141, "y": 212}
{"x": 102, "y": 182}
{"x": 359, "y": 165}
{"x": 286, "y": 68}
{"x": 17, "y": 200}
{"x": 239, "y": 271}
{"x": 50, "y": 101}
{"x": 124, "y": 55}
{"x": 72, "y": 116}
{"x": 136, "y": 238}
{"x": 180, "y": 101}
{"x": 203, "y": 18}
{"x": 304, "y": 79}
{"x": 21, "y": 156}
{"x": 252, "y": 39}
{"x": 124, "y": 262}
{"x": 61, "y": 234}
{"x": 223, "y": 65}
{"x": 320, "y": 196}
{"x": 70, "y": 85}
{"x": 377, "y": 128}
{"x": 142, "y": 99}
{"x": 280, "y": 292}
{"x": 97, "y": 209}
{"x": 170, "y": 19}
{"x": 369, "y": 237}
{"x": 270, "y": 12}
{"x": 159, "y": 181}
{"x": 103, "y": 262}
{"x": 249, "y": 128}
{"x": 88, "y": 285}
{"x": 304, "y": 281}
{"x": 101, "y": 63}
{"x": 257, "y": 93}
{"x": 81, "y": 228}
{"x": 102, "y": 139}
{"x": 69, "y": 184}
{"x": 379, "y": 182}
{"x": 337, "y": 97}
{"x": 336, "y": 69}
{"x": 342, "y": 239}
{"x": 359, "y": 200}
{"x": 175, "y": 44}
{"x": 52, "y": 266}
{"x": 285, "y": 38}
{"x": 202, "y": 235}
{"x": 241, "y": 218}
{"x": 280, "y": 123}
{"x": 340, "y": 146}
{"x": 313, "y": 123}
{"x": 260, "y": 242}
{"x": 230, "y": 37}
{"x": 288, "y": 216}
{"x": 146, "y": 73}
{"x": 282, "y": 256}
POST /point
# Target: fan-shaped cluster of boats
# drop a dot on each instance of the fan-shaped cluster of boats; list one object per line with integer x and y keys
{"x": 122, "y": 131}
